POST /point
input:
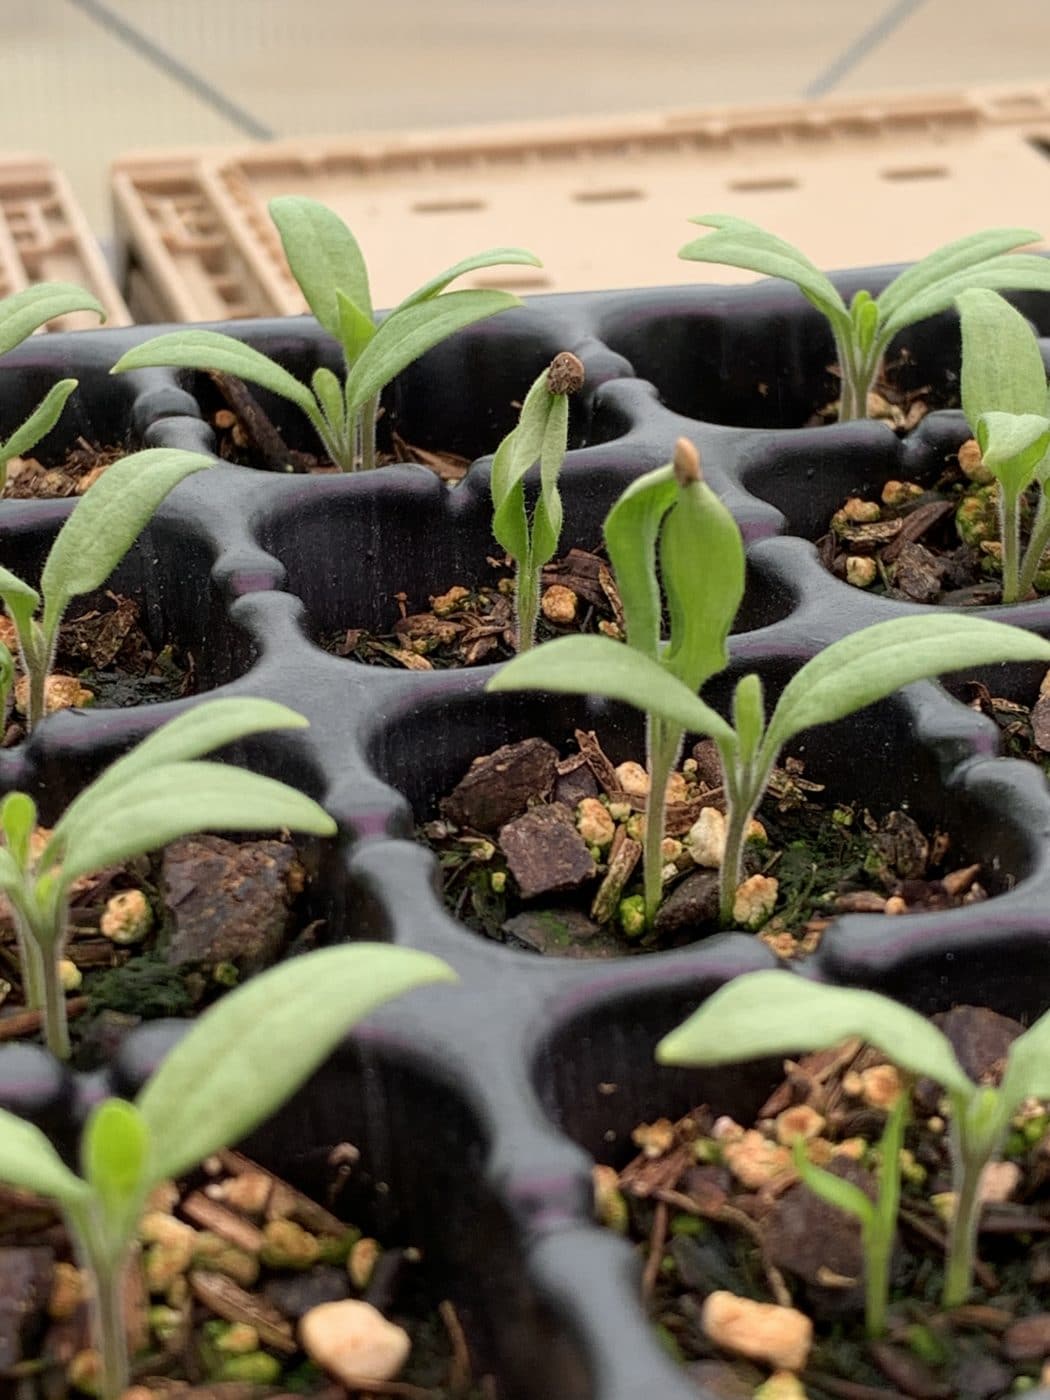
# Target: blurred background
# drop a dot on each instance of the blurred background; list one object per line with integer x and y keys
{"x": 85, "y": 80}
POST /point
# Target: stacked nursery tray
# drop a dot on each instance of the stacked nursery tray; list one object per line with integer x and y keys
{"x": 45, "y": 237}
{"x": 605, "y": 197}
{"x": 478, "y": 1114}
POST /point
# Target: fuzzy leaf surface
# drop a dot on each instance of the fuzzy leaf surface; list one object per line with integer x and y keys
{"x": 702, "y": 567}
{"x": 780, "y": 1013}
{"x": 211, "y": 350}
{"x": 410, "y": 332}
{"x": 40, "y": 422}
{"x": 107, "y": 521}
{"x": 203, "y": 729}
{"x": 1011, "y": 272}
{"x": 518, "y": 451}
{"x": 631, "y": 530}
{"x": 869, "y": 665}
{"x": 1002, "y": 369}
{"x": 741, "y": 243}
{"x": 250, "y": 1051}
{"x": 950, "y": 260}
{"x": 598, "y": 665}
{"x": 492, "y": 257}
{"x": 179, "y": 799}
{"x": 324, "y": 257}
{"x": 26, "y": 311}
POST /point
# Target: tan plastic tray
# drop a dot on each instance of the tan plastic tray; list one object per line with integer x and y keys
{"x": 44, "y": 237}
{"x": 603, "y": 201}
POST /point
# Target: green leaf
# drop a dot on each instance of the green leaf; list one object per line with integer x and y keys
{"x": 177, "y": 799}
{"x": 28, "y": 1160}
{"x": 21, "y": 600}
{"x": 1002, "y": 369}
{"x": 324, "y": 257}
{"x": 7, "y": 676}
{"x": 702, "y": 568}
{"x": 1011, "y": 272}
{"x": 492, "y": 257}
{"x": 951, "y": 260}
{"x": 408, "y": 333}
{"x": 864, "y": 317}
{"x": 740, "y": 243}
{"x": 835, "y": 1190}
{"x": 510, "y": 521}
{"x": 600, "y": 666}
{"x": 356, "y": 328}
{"x": 106, "y": 522}
{"x": 11, "y": 879}
{"x": 1012, "y": 446}
{"x": 206, "y": 727}
{"x": 247, "y": 1054}
{"x": 749, "y": 715}
{"x": 1027, "y": 1073}
{"x": 870, "y": 664}
{"x": 31, "y": 308}
{"x": 631, "y": 530}
{"x": 541, "y": 432}
{"x": 547, "y": 518}
{"x": 220, "y": 354}
{"x": 780, "y": 1013}
{"x": 18, "y": 819}
{"x": 329, "y": 394}
{"x": 40, "y": 421}
{"x": 518, "y": 451}
{"x": 114, "y": 1151}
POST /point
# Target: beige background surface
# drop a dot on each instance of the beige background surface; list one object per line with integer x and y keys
{"x": 87, "y": 79}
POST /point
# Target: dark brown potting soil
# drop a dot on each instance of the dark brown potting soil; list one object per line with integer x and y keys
{"x": 716, "y": 1207}
{"x": 475, "y": 626}
{"x": 106, "y": 650}
{"x": 248, "y": 437}
{"x": 926, "y": 543}
{"x": 216, "y": 911}
{"x": 517, "y": 868}
{"x": 29, "y": 479}
{"x": 250, "y": 1255}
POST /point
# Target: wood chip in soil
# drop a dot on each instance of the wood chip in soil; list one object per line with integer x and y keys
{"x": 218, "y": 911}
{"x": 246, "y": 1239}
{"x": 523, "y": 862}
{"x": 30, "y": 479}
{"x": 931, "y": 543}
{"x": 247, "y": 436}
{"x": 718, "y": 1205}
{"x": 475, "y": 626}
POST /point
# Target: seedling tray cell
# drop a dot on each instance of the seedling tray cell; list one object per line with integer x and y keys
{"x": 478, "y": 1113}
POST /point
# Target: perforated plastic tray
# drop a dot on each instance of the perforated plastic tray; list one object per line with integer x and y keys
{"x": 479, "y": 1111}
{"x": 603, "y": 201}
{"x": 45, "y": 237}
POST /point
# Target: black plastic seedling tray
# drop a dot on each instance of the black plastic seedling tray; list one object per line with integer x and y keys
{"x": 479, "y": 1111}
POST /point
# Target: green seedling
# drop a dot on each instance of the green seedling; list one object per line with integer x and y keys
{"x": 864, "y": 329}
{"x": 153, "y": 795}
{"x": 542, "y": 435}
{"x": 329, "y": 267}
{"x": 878, "y": 1218}
{"x": 235, "y": 1067}
{"x": 702, "y": 571}
{"x": 1005, "y": 400}
{"x": 20, "y": 315}
{"x": 777, "y": 1013}
{"x": 103, "y": 526}
{"x": 7, "y": 681}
